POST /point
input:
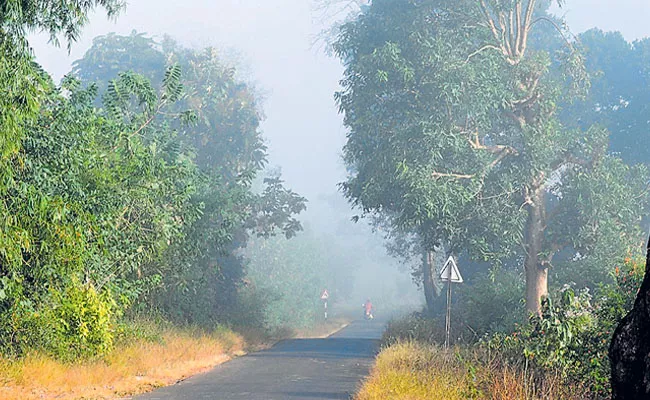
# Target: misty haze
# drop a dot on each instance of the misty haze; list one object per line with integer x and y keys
{"x": 325, "y": 199}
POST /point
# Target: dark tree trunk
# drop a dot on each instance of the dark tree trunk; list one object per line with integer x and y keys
{"x": 536, "y": 273}
{"x": 428, "y": 284}
{"x": 629, "y": 352}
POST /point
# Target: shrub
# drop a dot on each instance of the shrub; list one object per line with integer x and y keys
{"x": 414, "y": 371}
{"x": 573, "y": 334}
{"x": 570, "y": 340}
{"x": 81, "y": 322}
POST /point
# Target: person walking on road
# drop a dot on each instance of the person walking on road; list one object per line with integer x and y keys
{"x": 367, "y": 306}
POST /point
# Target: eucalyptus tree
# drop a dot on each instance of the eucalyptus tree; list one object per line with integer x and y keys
{"x": 454, "y": 132}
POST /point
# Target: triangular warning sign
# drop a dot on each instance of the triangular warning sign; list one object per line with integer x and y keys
{"x": 325, "y": 295}
{"x": 450, "y": 272}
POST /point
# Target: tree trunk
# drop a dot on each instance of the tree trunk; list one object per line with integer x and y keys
{"x": 427, "y": 279}
{"x": 536, "y": 273}
{"x": 630, "y": 348}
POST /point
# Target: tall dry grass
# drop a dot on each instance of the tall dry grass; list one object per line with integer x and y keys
{"x": 414, "y": 371}
{"x": 135, "y": 365}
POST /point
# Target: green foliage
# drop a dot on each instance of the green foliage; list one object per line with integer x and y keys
{"x": 570, "y": 339}
{"x": 413, "y": 328}
{"x": 195, "y": 275}
{"x": 18, "y": 18}
{"x": 490, "y": 303}
{"x": 291, "y": 274}
{"x": 573, "y": 334}
{"x": 22, "y": 82}
{"x": 83, "y": 322}
{"x": 554, "y": 341}
{"x": 455, "y": 139}
{"x": 618, "y": 98}
{"x": 119, "y": 198}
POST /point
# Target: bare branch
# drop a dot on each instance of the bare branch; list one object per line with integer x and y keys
{"x": 482, "y": 49}
{"x": 489, "y": 19}
{"x": 437, "y": 175}
{"x": 526, "y": 27}
{"x": 519, "y": 27}
{"x": 557, "y": 27}
{"x": 511, "y": 28}
{"x": 494, "y": 149}
{"x": 504, "y": 34}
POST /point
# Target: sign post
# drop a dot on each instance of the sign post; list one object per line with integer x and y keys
{"x": 324, "y": 296}
{"x": 451, "y": 274}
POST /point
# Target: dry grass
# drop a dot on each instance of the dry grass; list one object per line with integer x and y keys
{"x": 411, "y": 371}
{"x": 159, "y": 356}
{"x": 131, "y": 368}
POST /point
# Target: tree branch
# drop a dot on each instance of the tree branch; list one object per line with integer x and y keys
{"x": 482, "y": 49}
{"x": 526, "y": 28}
{"x": 518, "y": 17}
{"x": 437, "y": 175}
{"x": 489, "y": 19}
{"x": 504, "y": 34}
{"x": 556, "y": 26}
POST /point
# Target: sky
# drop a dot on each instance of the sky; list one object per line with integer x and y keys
{"x": 630, "y": 17}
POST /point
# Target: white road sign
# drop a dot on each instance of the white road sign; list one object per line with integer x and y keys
{"x": 325, "y": 295}
{"x": 450, "y": 272}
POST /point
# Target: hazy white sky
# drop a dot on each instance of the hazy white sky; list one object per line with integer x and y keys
{"x": 628, "y": 16}
{"x": 274, "y": 38}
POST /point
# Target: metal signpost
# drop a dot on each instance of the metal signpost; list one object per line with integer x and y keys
{"x": 450, "y": 274}
{"x": 324, "y": 296}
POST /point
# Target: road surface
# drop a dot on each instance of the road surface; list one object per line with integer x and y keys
{"x": 296, "y": 369}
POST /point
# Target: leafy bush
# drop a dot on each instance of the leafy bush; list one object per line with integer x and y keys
{"x": 573, "y": 334}
{"x": 82, "y": 322}
{"x": 569, "y": 340}
{"x": 74, "y": 322}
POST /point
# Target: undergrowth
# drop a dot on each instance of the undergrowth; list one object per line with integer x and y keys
{"x": 414, "y": 371}
{"x": 146, "y": 355}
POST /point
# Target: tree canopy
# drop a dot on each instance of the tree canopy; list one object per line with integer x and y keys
{"x": 454, "y": 134}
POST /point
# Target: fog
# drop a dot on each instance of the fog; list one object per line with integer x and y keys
{"x": 272, "y": 43}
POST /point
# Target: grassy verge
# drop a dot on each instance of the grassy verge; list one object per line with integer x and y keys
{"x": 146, "y": 358}
{"x": 414, "y": 371}
{"x": 147, "y": 355}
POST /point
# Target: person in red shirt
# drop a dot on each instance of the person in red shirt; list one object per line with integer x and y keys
{"x": 367, "y": 306}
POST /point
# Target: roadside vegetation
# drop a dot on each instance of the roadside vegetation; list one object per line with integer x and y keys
{"x": 487, "y": 131}
{"x": 562, "y": 354}
{"x": 145, "y": 356}
{"x": 134, "y": 194}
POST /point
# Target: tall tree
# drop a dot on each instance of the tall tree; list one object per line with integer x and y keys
{"x": 454, "y": 131}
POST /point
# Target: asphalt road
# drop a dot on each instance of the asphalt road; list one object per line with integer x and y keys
{"x": 296, "y": 369}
